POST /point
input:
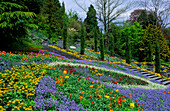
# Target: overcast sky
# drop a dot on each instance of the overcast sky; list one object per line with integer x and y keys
{"x": 70, "y": 4}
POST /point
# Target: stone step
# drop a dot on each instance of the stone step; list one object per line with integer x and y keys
{"x": 166, "y": 82}
{"x": 152, "y": 76}
{"x": 147, "y": 74}
{"x": 144, "y": 72}
{"x": 156, "y": 78}
{"x": 162, "y": 80}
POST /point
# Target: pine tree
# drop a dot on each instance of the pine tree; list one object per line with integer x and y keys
{"x": 91, "y": 21}
{"x": 157, "y": 58}
{"x": 95, "y": 39}
{"x": 150, "y": 52}
{"x": 128, "y": 50}
{"x": 82, "y": 40}
{"x": 51, "y": 17}
{"x": 101, "y": 45}
{"x": 14, "y": 24}
{"x": 111, "y": 45}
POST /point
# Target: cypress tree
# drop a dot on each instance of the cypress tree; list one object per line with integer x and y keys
{"x": 101, "y": 46}
{"x": 111, "y": 45}
{"x": 150, "y": 52}
{"x": 82, "y": 40}
{"x": 95, "y": 39}
{"x": 65, "y": 28}
{"x": 157, "y": 58}
{"x": 128, "y": 51}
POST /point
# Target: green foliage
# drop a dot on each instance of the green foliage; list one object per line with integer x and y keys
{"x": 50, "y": 17}
{"x": 152, "y": 33}
{"x": 65, "y": 31}
{"x": 157, "y": 58}
{"x": 111, "y": 45}
{"x": 14, "y": 23}
{"x": 150, "y": 52}
{"x": 91, "y": 20}
{"x": 135, "y": 34}
{"x": 82, "y": 50}
{"x": 101, "y": 46}
{"x": 128, "y": 50}
{"x": 95, "y": 39}
{"x": 115, "y": 31}
{"x": 145, "y": 19}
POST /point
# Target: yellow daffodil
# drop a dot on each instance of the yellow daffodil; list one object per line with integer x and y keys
{"x": 106, "y": 96}
{"x": 91, "y": 85}
{"x": 66, "y": 76}
{"x": 117, "y": 90}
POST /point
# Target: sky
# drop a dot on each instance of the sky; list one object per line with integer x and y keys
{"x": 70, "y": 4}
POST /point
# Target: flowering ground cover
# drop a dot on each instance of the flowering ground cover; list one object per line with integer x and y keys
{"x": 34, "y": 83}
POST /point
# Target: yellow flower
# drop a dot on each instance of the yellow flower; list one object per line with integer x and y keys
{"x": 66, "y": 77}
{"x": 91, "y": 85}
{"x": 117, "y": 90}
{"x": 106, "y": 96}
{"x": 132, "y": 105}
{"x": 65, "y": 72}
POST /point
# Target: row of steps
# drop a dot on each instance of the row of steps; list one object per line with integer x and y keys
{"x": 149, "y": 75}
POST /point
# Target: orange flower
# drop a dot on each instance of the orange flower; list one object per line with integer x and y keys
{"x": 114, "y": 95}
{"x": 120, "y": 105}
{"x": 117, "y": 106}
{"x": 59, "y": 76}
{"x": 117, "y": 101}
{"x": 90, "y": 95}
{"x": 55, "y": 77}
{"x": 111, "y": 91}
{"x": 114, "y": 100}
{"x": 106, "y": 93}
{"x": 123, "y": 96}
{"x": 97, "y": 81}
{"x": 55, "y": 73}
{"x": 81, "y": 97}
{"x": 58, "y": 81}
{"x": 83, "y": 78}
{"x": 93, "y": 82}
{"x": 109, "y": 104}
{"x": 123, "y": 100}
{"x": 70, "y": 95}
{"x": 61, "y": 84}
{"x": 82, "y": 92}
{"x": 99, "y": 96}
{"x": 54, "y": 68}
{"x": 77, "y": 80}
{"x": 80, "y": 87}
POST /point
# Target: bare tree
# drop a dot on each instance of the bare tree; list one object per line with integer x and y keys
{"x": 109, "y": 10}
{"x": 160, "y": 9}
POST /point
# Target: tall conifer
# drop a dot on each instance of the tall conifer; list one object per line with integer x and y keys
{"x": 101, "y": 45}
{"x": 95, "y": 39}
{"x": 150, "y": 52}
{"x": 82, "y": 39}
{"x": 157, "y": 58}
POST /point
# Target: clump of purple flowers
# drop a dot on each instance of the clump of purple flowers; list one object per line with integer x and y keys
{"x": 49, "y": 98}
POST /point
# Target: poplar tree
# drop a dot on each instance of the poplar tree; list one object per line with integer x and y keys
{"x": 157, "y": 58}
{"x": 101, "y": 46}
{"x": 82, "y": 40}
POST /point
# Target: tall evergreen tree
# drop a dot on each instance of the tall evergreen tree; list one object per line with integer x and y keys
{"x": 14, "y": 24}
{"x": 95, "y": 39}
{"x": 157, "y": 58}
{"x": 128, "y": 50}
{"x": 82, "y": 40}
{"x": 91, "y": 20}
{"x": 65, "y": 28}
{"x": 51, "y": 17}
{"x": 101, "y": 45}
{"x": 142, "y": 19}
{"x": 111, "y": 45}
{"x": 150, "y": 52}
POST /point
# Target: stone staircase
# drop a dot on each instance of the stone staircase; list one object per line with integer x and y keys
{"x": 149, "y": 75}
